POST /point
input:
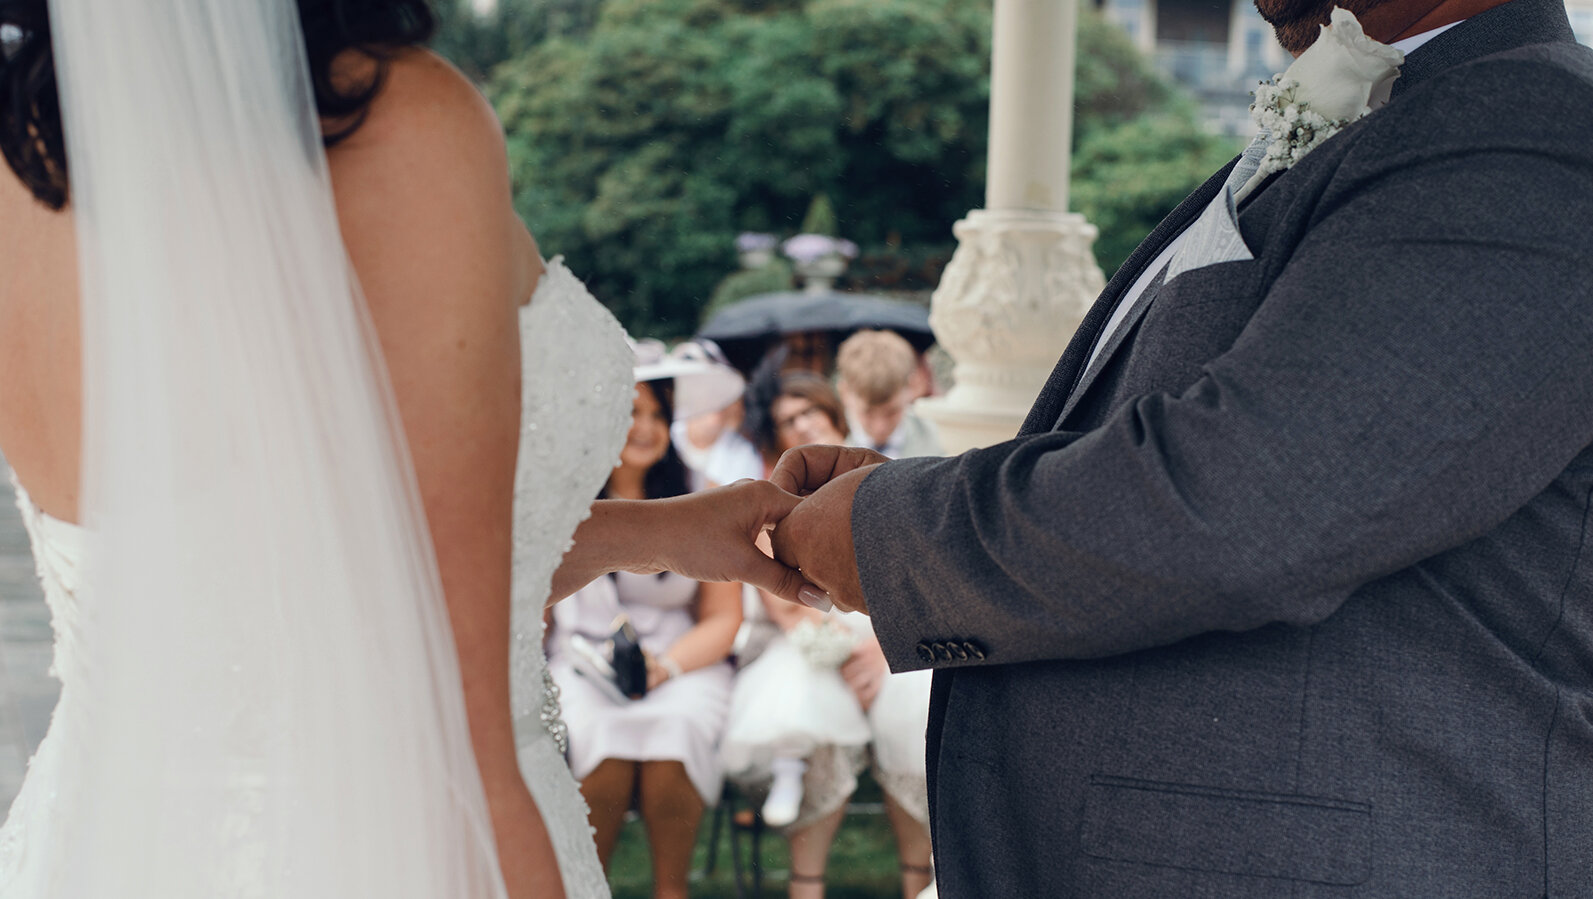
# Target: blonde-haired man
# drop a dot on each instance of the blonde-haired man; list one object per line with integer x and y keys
{"x": 875, "y": 380}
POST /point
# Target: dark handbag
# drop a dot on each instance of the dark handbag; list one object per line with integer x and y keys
{"x": 630, "y": 663}
{"x": 617, "y": 666}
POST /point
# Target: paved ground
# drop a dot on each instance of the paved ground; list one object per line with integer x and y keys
{"x": 27, "y": 692}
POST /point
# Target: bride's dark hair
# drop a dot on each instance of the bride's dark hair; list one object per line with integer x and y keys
{"x": 30, "y": 111}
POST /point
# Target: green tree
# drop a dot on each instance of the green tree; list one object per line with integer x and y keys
{"x": 477, "y": 43}
{"x": 775, "y": 276}
{"x": 820, "y": 218}
{"x": 642, "y": 146}
{"x": 1137, "y": 146}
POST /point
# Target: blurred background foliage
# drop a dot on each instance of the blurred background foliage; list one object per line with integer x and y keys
{"x": 477, "y": 42}
{"x": 645, "y": 134}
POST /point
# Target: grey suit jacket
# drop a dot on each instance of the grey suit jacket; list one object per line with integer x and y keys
{"x": 1291, "y": 594}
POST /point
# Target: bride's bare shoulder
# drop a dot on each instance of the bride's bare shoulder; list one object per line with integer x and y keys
{"x": 422, "y": 99}
{"x": 426, "y": 115}
{"x": 427, "y": 170}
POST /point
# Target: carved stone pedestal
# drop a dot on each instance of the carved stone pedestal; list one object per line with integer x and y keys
{"x": 1009, "y": 301}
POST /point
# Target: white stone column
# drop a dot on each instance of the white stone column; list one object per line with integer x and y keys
{"x": 1023, "y": 275}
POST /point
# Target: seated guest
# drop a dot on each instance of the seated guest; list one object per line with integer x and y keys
{"x": 805, "y": 713}
{"x": 659, "y": 751}
{"x": 791, "y": 408}
{"x": 875, "y": 374}
{"x": 708, "y": 416}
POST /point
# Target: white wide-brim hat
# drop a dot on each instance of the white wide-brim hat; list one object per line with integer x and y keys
{"x": 703, "y": 381}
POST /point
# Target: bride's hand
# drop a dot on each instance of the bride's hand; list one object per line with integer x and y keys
{"x": 817, "y": 539}
{"x": 712, "y": 536}
{"x": 708, "y": 536}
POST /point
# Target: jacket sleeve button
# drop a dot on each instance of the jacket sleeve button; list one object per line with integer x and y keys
{"x": 959, "y": 650}
{"x": 973, "y": 649}
{"x": 925, "y": 653}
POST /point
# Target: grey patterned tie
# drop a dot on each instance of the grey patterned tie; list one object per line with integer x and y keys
{"x": 1210, "y": 238}
{"x": 1249, "y": 161}
{"x": 1214, "y": 235}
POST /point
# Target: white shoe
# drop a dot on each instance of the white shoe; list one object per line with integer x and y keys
{"x": 785, "y": 794}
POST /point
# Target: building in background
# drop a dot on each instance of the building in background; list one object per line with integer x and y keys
{"x": 1581, "y": 19}
{"x": 1219, "y": 49}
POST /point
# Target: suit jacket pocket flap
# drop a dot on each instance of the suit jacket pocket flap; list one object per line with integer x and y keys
{"x": 1305, "y": 838}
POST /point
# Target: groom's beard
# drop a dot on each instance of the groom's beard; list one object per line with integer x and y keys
{"x": 1298, "y": 22}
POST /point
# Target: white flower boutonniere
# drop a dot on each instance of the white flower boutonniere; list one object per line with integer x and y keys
{"x": 1341, "y": 77}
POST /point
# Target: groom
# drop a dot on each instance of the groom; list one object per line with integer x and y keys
{"x": 1290, "y": 592}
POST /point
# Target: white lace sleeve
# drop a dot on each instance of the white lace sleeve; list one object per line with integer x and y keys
{"x": 576, "y": 405}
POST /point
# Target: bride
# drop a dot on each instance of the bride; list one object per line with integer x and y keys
{"x": 263, "y": 406}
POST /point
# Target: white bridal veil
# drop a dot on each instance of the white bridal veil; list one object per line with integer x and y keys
{"x": 274, "y": 706}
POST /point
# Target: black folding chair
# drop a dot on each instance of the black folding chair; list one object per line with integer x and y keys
{"x": 725, "y": 818}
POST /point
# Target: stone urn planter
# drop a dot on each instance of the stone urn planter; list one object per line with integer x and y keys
{"x": 756, "y": 250}
{"x": 819, "y": 259}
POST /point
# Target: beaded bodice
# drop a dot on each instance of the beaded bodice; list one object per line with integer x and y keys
{"x": 575, "y": 411}
{"x": 576, "y": 395}
{"x": 59, "y": 549}
{"x": 27, "y": 850}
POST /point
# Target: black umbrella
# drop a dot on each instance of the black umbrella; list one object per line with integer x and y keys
{"x": 746, "y": 328}
{"x": 791, "y": 311}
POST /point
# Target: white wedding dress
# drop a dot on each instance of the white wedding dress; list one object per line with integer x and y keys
{"x": 32, "y": 849}
{"x": 575, "y": 414}
{"x": 576, "y": 410}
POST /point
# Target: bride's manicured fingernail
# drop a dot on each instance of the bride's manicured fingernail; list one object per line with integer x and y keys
{"x": 814, "y": 598}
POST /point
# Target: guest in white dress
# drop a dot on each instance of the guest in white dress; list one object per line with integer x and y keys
{"x": 660, "y": 752}
{"x": 805, "y": 712}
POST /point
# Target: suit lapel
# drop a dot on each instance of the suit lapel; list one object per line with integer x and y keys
{"x": 1047, "y": 409}
{"x": 1510, "y": 25}
{"x": 1042, "y": 415}
{"x": 1114, "y": 341}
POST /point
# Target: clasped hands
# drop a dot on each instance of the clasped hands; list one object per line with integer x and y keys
{"x": 712, "y": 536}
{"x": 815, "y": 539}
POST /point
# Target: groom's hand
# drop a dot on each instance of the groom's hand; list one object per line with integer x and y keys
{"x": 816, "y": 538}
{"x": 807, "y": 468}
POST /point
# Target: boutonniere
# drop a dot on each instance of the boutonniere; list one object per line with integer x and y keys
{"x": 1341, "y": 77}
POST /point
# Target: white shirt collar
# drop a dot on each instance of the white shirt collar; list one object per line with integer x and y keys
{"x": 1409, "y": 44}
{"x": 893, "y": 445}
{"x": 897, "y": 442}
